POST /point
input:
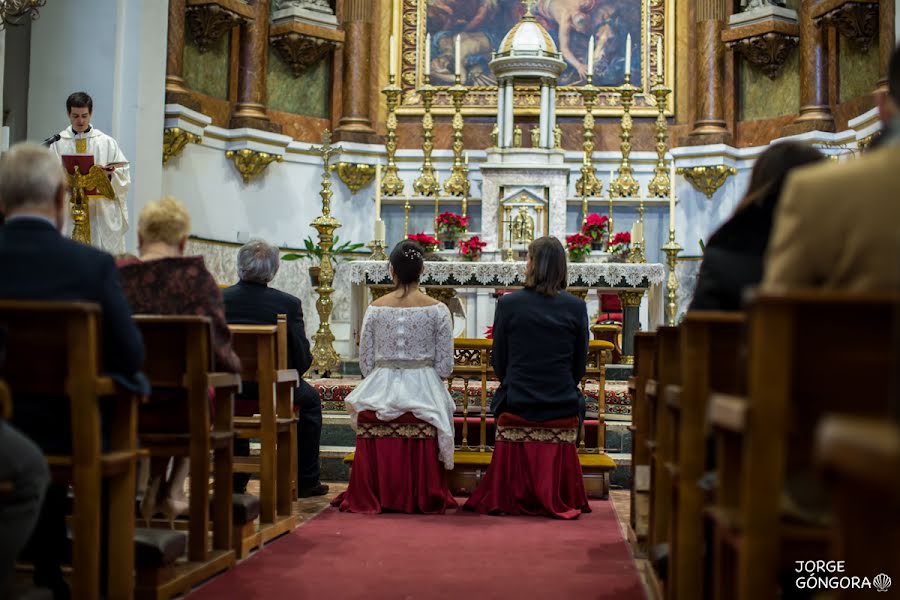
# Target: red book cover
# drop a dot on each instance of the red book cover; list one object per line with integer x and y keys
{"x": 84, "y": 163}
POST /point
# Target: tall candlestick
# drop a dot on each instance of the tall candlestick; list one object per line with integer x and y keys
{"x": 672, "y": 196}
{"x": 379, "y": 230}
{"x": 427, "y": 56}
{"x": 591, "y": 56}
{"x": 628, "y": 55}
{"x": 458, "y": 57}
{"x": 660, "y": 71}
{"x": 377, "y": 192}
{"x": 392, "y": 64}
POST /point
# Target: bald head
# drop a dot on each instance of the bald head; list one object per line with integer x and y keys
{"x": 32, "y": 181}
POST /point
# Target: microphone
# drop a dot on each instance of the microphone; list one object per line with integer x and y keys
{"x": 52, "y": 140}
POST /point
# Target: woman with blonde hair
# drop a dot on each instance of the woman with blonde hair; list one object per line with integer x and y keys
{"x": 162, "y": 281}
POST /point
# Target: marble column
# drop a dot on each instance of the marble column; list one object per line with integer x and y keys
{"x": 176, "y": 90}
{"x": 355, "y": 124}
{"x": 815, "y": 111}
{"x": 886, "y": 33}
{"x": 501, "y": 114}
{"x": 508, "y": 117}
{"x": 551, "y": 125}
{"x": 710, "y": 126}
{"x": 250, "y": 109}
{"x": 545, "y": 114}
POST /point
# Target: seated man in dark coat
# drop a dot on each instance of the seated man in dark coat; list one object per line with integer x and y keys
{"x": 38, "y": 263}
{"x": 252, "y": 302}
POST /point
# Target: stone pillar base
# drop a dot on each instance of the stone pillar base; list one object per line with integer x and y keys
{"x": 812, "y": 118}
{"x": 254, "y": 123}
{"x": 706, "y": 133}
{"x": 361, "y": 135}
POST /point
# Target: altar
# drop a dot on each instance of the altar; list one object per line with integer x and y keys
{"x": 629, "y": 280}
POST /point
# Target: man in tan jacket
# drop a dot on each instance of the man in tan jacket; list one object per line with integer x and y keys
{"x": 837, "y": 226}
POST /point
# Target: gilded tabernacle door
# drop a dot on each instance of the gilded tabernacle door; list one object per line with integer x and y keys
{"x": 522, "y": 217}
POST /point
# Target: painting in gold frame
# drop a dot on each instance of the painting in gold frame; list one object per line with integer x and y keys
{"x": 483, "y": 23}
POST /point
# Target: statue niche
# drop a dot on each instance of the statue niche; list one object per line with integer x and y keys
{"x": 522, "y": 227}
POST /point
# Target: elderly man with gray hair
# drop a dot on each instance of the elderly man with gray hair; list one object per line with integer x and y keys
{"x": 38, "y": 263}
{"x": 252, "y": 302}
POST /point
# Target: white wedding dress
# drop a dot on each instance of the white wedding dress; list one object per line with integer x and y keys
{"x": 404, "y": 354}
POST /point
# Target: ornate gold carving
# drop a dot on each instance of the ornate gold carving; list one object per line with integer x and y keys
{"x": 391, "y": 184}
{"x": 625, "y": 185}
{"x": 854, "y": 19}
{"x": 458, "y": 182}
{"x": 588, "y": 184}
{"x": 707, "y": 179}
{"x": 631, "y": 298}
{"x": 251, "y": 163}
{"x": 579, "y": 293}
{"x": 80, "y": 183}
{"x": 671, "y": 249}
{"x": 301, "y": 52}
{"x": 210, "y": 20}
{"x": 174, "y": 141}
{"x": 18, "y": 12}
{"x": 767, "y": 52}
{"x": 355, "y": 176}
{"x": 427, "y": 183}
{"x": 442, "y": 294}
{"x": 325, "y": 358}
{"x": 660, "y": 184}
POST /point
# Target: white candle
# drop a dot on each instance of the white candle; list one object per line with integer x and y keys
{"x": 628, "y": 55}
{"x": 590, "y": 63}
{"x": 392, "y": 65}
{"x": 659, "y": 58}
{"x": 379, "y": 230}
{"x": 633, "y": 233}
{"x": 378, "y": 191}
{"x": 672, "y": 196}
{"x": 640, "y": 228}
{"x": 427, "y": 56}
{"x": 467, "y": 159}
{"x": 458, "y": 56}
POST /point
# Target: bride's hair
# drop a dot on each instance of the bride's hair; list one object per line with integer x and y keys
{"x": 407, "y": 262}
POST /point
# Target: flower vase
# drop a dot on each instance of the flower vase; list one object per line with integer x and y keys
{"x": 472, "y": 257}
{"x": 597, "y": 246}
{"x": 576, "y": 258}
{"x": 448, "y": 239}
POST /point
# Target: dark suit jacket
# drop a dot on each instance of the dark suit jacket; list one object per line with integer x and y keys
{"x": 37, "y": 263}
{"x": 539, "y": 354}
{"x": 249, "y": 303}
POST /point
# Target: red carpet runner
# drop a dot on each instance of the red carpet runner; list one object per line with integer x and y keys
{"x": 461, "y": 555}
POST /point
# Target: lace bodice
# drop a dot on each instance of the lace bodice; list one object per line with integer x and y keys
{"x": 407, "y": 333}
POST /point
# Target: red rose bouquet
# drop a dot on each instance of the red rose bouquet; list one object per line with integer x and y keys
{"x": 578, "y": 245}
{"x": 429, "y": 244}
{"x": 471, "y": 248}
{"x": 451, "y": 224}
{"x": 595, "y": 227}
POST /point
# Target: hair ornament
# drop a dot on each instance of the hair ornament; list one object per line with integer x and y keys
{"x": 412, "y": 254}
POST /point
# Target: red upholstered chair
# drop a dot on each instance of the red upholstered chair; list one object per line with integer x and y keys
{"x": 396, "y": 468}
{"x": 534, "y": 471}
{"x": 610, "y": 308}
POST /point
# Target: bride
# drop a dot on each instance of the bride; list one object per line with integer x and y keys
{"x": 406, "y": 349}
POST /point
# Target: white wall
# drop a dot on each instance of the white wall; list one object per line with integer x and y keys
{"x": 115, "y": 50}
{"x": 15, "y": 80}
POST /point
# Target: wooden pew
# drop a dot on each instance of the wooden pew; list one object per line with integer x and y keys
{"x": 263, "y": 353}
{"x": 180, "y": 361}
{"x": 54, "y": 350}
{"x": 797, "y": 344}
{"x": 861, "y": 460}
{"x": 710, "y": 360}
{"x": 644, "y": 368}
{"x": 667, "y": 388}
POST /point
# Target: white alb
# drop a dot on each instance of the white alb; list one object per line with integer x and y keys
{"x": 404, "y": 354}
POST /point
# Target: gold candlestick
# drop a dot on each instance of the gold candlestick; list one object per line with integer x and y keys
{"x": 391, "y": 184}
{"x": 406, "y": 219}
{"x": 458, "y": 182}
{"x": 659, "y": 186}
{"x": 610, "y": 223}
{"x": 427, "y": 184}
{"x": 325, "y": 358}
{"x": 588, "y": 184}
{"x": 625, "y": 185}
{"x": 671, "y": 249}
{"x": 377, "y": 248}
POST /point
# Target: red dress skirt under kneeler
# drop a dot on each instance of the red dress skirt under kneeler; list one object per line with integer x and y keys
{"x": 396, "y": 468}
{"x": 534, "y": 471}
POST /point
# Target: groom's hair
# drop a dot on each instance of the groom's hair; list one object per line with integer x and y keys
{"x": 79, "y": 100}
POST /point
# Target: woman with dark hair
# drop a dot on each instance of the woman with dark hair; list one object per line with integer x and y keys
{"x": 733, "y": 259}
{"x": 539, "y": 354}
{"x": 402, "y": 411}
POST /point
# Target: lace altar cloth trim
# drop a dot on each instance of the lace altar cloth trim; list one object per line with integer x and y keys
{"x": 549, "y": 435}
{"x": 513, "y": 273}
{"x": 412, "y": 431}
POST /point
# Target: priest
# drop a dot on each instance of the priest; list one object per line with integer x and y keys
{"x": 108, "y": 217}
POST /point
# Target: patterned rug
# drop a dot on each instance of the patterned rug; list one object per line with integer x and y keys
{"x": 618, "y": 402}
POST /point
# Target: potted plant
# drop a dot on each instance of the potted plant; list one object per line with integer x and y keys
{"x": 579, "y": 246}
{"x": 596, "y": 228}
{"x": 428, "y": 243}
{"x": 619, "y": 246}
{"x": 449, "y": 227}
{"x": 313, "y": 250}
{"x": 471, "y": 248}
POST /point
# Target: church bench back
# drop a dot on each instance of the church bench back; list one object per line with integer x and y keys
{"x": 668, "y": 380}
{"x": 644, "y": 368}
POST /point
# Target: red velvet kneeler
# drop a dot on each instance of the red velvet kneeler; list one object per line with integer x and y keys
{"x": 534, "y": 471}
{"x": 396, "y": 468}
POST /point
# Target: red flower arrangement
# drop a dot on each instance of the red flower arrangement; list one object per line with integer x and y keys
{"x": 620, "y": 243}
{"x": 429, "y": 244}
{"x": 451, "y": 223}
{"x": 471, "y": 249}
{"x": 595, "y": 227}
{"x": 489, "y": 332}
{"x": 578, "y": 245}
